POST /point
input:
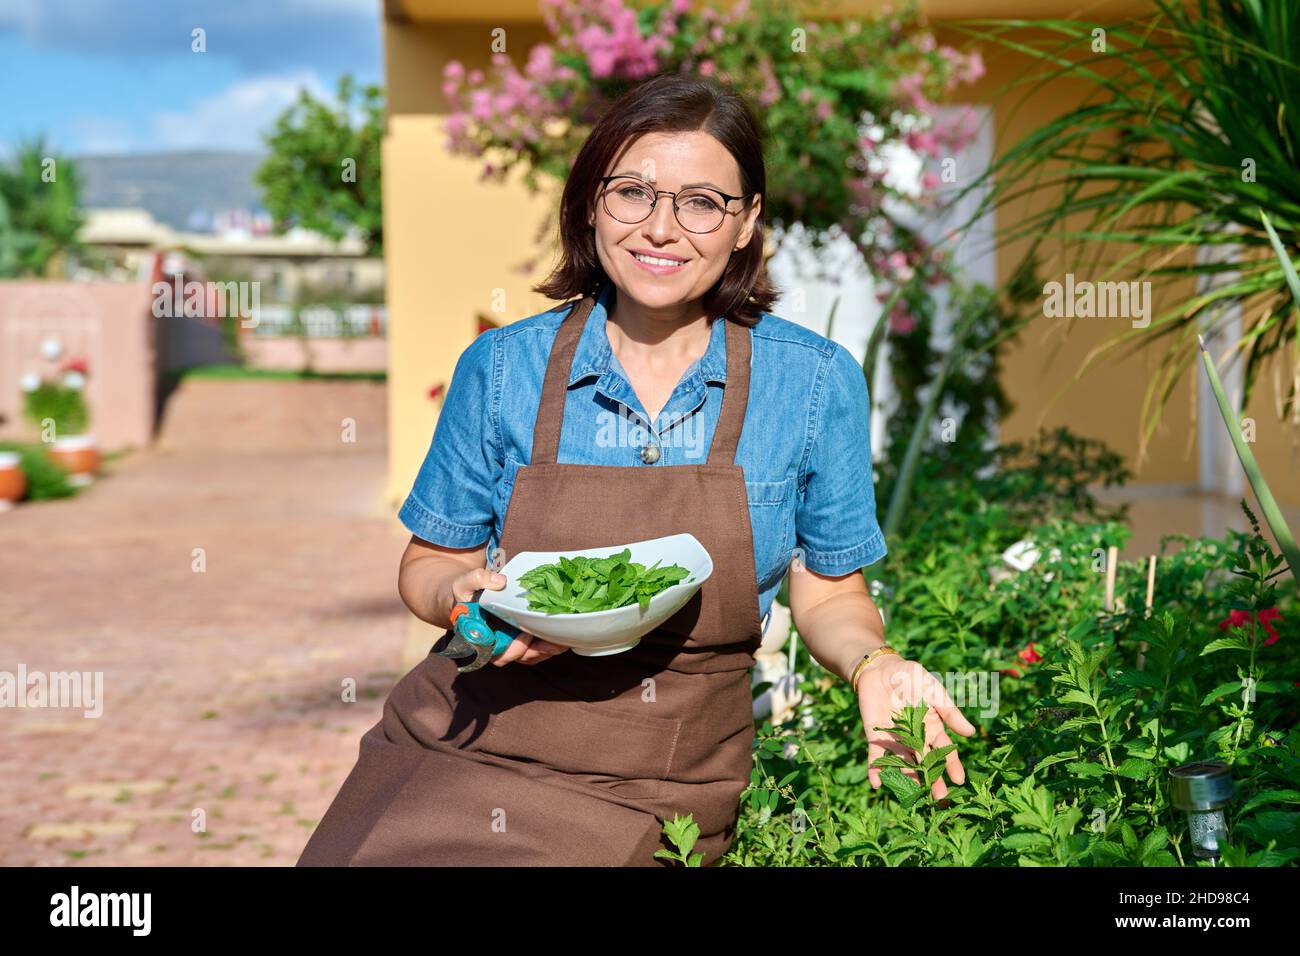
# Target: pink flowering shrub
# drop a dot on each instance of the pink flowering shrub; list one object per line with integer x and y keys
{"x": 835, "y": 97}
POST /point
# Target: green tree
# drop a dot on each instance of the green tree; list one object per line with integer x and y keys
{"x": 8, "y": 243}
{"x": 40, "y": 214}
{"x": 323, "y": 169}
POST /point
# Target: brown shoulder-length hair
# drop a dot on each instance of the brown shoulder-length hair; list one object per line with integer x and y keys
{"x": 667, "y": 103}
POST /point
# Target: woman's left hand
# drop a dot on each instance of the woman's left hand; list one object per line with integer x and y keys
{"x": 528, "y": 648}
{"x": 888, "y": 684}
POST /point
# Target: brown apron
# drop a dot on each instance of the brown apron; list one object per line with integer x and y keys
{"x": 577, "y": 760}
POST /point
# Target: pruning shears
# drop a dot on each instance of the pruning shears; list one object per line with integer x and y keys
{"x": 472, "y": 634}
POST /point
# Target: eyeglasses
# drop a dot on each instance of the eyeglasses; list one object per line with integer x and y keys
{"x": 698, "y": 209}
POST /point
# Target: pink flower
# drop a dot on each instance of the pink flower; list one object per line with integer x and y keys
{"x": 923, "y": 141}
{"x": 908, "y": 89}
{"x": 901, "y": 321}
{"x": 972, "y": 69}
{"x": 898, "y": 265}
{"x": 481, "y": 104}
{"x": 824, "y": 110}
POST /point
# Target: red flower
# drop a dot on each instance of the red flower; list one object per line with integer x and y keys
{"x": 1013, "y": 672}
{"x": 435, "y": 393}
{"x": 1269, "y": 614}
{"x": 77, "y": 365}
{"x": 1235, "y": 619}
{"x": 1239, "y": 618}
{"x": 1029, "y": 655}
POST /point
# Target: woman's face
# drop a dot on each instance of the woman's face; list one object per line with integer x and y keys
{"x": 671, "y": 161}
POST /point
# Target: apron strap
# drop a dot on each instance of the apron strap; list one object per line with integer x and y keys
{"x": 550, "y": 412}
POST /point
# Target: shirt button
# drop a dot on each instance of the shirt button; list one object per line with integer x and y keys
{"x": 650, "y": 454}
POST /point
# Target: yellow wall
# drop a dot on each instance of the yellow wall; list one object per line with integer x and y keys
{"x": 450, "y": 243}
{"x": 1105, "y": 402}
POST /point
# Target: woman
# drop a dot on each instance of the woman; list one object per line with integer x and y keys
{"x": 665, "y": 401}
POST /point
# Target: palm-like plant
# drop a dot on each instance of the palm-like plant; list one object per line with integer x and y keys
{"x": 40, "y": 195}
{"x": 1192, "y": 132}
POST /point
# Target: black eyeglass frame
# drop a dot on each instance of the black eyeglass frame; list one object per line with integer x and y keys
{"x": 604, "y": 192}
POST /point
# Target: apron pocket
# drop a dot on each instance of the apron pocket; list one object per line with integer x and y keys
{"x": 581, "y": 737}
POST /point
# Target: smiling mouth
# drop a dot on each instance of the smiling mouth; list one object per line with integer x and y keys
{"x": 657, "y": 262}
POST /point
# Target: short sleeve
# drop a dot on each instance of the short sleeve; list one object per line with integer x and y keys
{"x": 835, "y": 522}
{"x": 450, "y": 503}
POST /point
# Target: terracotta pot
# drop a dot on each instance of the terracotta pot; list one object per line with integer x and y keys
{"x": 13, "y": 483}
{"x": 78, "y": 455}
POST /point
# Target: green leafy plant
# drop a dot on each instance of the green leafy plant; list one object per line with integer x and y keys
{"x": 59, "y": 401}
{"x": 323, "y": 167}
{"x": 64, "y": 406}
{"x": 1080, "y": 712}
{"x": 682, "y": 833}
{"x": 582, "y": 584}
{"x": 40, "y": 211}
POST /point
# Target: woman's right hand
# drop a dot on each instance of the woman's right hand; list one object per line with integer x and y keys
{"x": 525, "y": 648}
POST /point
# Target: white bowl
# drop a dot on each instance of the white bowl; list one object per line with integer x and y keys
{"x": 597, "y": 633}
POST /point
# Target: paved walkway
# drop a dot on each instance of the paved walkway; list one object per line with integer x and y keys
{"x": 224, "y": 734}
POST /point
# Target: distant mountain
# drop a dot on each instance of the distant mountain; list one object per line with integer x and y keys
{"x": 183, "y": 190}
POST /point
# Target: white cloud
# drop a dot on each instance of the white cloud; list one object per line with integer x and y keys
{"x": 22, "y": 15}
{"x": 235, "y": 118}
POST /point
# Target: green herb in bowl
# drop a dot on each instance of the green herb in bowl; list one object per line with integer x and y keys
{"x": 583, "y": 584}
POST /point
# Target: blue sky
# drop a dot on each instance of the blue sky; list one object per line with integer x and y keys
{"x": 119, "y": 76}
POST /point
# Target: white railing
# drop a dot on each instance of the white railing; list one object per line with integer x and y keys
{"x": 322, "y": 321}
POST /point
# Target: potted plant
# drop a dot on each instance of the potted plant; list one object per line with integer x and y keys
{"x": 13, "y": 482}
{"x": 58, "y": 409}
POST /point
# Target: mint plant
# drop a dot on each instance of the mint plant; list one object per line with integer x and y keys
{"x": 1091, "y": 709}
{"x": 581, "y": 584}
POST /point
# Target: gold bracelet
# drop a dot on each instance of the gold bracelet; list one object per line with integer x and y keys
{"x": 867, "y": 659}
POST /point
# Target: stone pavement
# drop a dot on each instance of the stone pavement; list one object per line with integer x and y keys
{"x": 224, "y": 734}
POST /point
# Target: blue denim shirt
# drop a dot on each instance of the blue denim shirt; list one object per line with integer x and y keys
{"x": 805, "y": 448}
